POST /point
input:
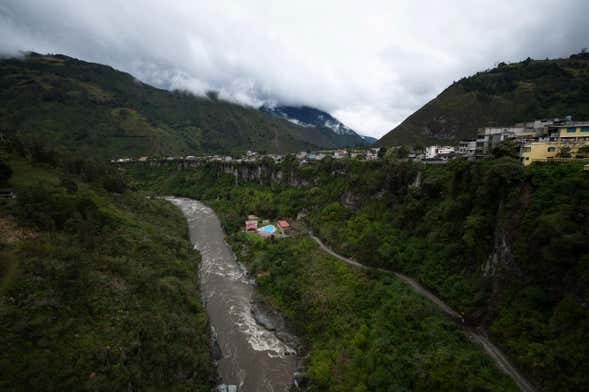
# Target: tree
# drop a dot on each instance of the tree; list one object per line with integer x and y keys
{"x": 5, "y": 172}
{"x": 583, "y": 152}
{"x": 508, "y": 148}
{"x": 114, "y": 184}
{"x": 564, "y": 152}
{"x": 382, "y": 152}
{"x": 402, "y": 152}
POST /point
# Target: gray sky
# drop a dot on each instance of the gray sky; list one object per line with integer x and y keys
{"x": 369, "y": 63}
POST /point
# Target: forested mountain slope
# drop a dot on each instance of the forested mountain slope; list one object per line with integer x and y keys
{"x": 509, "y": 93}
{"x": 98, "y": 111}
{"x": 98, "y": 285}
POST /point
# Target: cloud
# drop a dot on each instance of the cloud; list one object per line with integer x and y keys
{"x": 369, "y": 63}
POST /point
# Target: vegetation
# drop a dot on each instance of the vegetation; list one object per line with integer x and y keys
{"x": 366, "y": 332}
{"x": 504, "y": 95}
{"x": 5, "y": 172}
{"x": 97, "y": 111}
{"x": 98, "y": 290}
{"x": 505, "y": 245}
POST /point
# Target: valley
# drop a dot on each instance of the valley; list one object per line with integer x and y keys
{"x": 131, "y": 256}
{"x": 377, "y": 213}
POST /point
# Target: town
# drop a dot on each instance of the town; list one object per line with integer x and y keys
{"x": 545, "y": 140}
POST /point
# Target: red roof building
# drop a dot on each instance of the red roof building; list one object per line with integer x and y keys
{"x": 283, "y": 224}
{"x": 251, "y": 225}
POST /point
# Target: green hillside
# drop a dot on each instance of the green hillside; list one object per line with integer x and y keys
{"x": 98, "y": 285}
{"x": 505, "y": 95}
{"x": 98, "y": 111}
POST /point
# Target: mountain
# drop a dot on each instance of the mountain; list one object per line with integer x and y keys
{"x": 369, "y": 139}
{"x": 507, "y": 94}
{"x": 308, "y": 117}
{"x": 98, "y": 111}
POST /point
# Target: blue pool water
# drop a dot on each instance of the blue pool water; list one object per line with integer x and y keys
{"x": 268, "y": 229}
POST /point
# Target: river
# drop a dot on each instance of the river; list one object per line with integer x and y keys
{"x": 248, "y": 350}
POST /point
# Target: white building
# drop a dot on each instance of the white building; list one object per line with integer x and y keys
{"x": 467, "y": 147}
{"x": 433, "y": 152}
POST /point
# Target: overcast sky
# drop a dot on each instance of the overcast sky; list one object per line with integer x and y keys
{"x": 369, "y": 63}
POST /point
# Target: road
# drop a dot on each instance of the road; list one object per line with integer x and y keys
{"x": 473, "y": 335}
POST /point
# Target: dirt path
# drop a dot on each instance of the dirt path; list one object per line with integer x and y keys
{"x": 473, "y": 335}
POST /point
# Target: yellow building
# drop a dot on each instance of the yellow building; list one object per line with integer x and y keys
{"x": 545, "y": 151}
{"x": 577, "y": 132}
{"x": 569, "y": 136}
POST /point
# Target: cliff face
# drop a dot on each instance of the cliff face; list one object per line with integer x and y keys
{"x": 259, "y": 173}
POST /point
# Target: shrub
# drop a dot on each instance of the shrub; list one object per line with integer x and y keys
{"x": 5, "y": 172}
{"x": 114, "y": 184}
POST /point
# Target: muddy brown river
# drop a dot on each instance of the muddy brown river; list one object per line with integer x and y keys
{"x": 249, "y": 352}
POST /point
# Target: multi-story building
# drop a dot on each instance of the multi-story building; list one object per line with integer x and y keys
{"x": 467, "y": 148}
{"x": 490, "y": 137}
{"x": 563, "y": 141}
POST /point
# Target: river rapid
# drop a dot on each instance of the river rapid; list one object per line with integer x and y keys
{"x": 252, "y": 348}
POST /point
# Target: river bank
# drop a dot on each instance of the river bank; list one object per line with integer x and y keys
{"x": 252, "y": 347}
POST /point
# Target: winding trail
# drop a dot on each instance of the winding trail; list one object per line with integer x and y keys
{"x": 472, "y": 334}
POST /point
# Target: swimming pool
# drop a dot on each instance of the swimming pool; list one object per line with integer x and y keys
{"x": 267, "y": 229}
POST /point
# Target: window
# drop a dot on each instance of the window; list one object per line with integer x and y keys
{"x": 585, "y": 129}
{"x": 571, "y": 130}
{"x": 551, "y": 149}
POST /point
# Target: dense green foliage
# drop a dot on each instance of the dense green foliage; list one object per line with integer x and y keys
{"x": 506, "y": 245}
{"x": 504, "y": 95}
{"x": 5, "y": 172}
{"x": 98, "y": 291}
{"x": 100, "y": 112}
{"x": 366, "y": 332}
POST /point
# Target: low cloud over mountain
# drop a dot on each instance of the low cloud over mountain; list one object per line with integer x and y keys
{"x": 368, "y": 64}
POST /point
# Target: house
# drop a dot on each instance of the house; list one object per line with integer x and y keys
{"x": 563, "y": 142}
{"x": 251, "y": 225}
{"x": 283, "y": 225}
{"x": 433, "y": 152}
{"x": 446, "y": 150}
{"x": 340, "y": 154}
{"x": 489, "y": 137}
{"x": 543, "y": 151}
{"x": 467, "y": 147}
{"x": 573, "y": 132}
